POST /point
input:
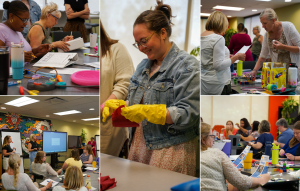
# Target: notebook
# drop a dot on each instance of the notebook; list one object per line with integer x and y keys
{"x": 74, "y": 44}
{"x": 57, "y": 60}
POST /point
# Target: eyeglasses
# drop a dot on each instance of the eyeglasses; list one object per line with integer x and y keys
{"x": 212, "y": 136}
{"x": 23, "y": 20}
{"x": 56, "y": 18}
{"x": 143, "y": 42}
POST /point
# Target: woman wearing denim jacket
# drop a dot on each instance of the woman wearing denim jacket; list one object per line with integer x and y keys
{"x": 35, "y": 14}
{"x": 169, "y": 76}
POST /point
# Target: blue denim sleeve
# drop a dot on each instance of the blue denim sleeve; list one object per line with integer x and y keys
{"x": 4, "y": 17}
{"x": 185, "y": 111}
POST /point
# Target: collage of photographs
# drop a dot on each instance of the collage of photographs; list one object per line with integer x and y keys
{"x": 153, "y": 95}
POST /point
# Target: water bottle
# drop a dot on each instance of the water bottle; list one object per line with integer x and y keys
{"x": 275, "y": 154}
{"x": 268, "y": 148}
{"x": 88, "y": 182}
{"x": 4, "y": 69}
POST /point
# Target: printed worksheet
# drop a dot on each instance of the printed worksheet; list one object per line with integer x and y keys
{"x": 262, "y": 168}
{"x": 241, "y": 158}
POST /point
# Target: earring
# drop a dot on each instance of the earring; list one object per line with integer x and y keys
{"x": 11, "y": 21}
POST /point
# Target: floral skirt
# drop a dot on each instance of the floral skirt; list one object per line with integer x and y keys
{"x": 179, "y": 158}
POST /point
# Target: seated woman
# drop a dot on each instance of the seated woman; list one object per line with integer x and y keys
{"x": 14, "y": 180}
{"x": 40, "y": 167}
{"x": 229, "y": 130}
{"x": 291, "y": 149}
{"x": 7, "y": 151}
{"x": 216, "y": 167}
{"x": 265, "y": 136}
{"x": 73, "y": 161}
{"x": 73, "y": 180}
{"x": 38, "y": 35}
{"x": 87, "y": 156}
{"x": 10, "y": 30}
{"x": 253, "y": 133}
{"x": 244, "y": 125}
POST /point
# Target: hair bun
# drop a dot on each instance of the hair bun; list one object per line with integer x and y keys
{"x": 6, "y": 4}
{"x": 166, "y": 9}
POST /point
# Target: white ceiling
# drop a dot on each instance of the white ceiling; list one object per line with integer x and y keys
{"x": 207, "y": 6}
{"x": 42, "y": 108}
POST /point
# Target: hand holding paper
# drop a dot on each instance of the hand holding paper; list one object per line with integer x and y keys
{"x": 242, "y": 50}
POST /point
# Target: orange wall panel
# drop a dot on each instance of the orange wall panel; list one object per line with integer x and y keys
{"x": 274, "y": 103}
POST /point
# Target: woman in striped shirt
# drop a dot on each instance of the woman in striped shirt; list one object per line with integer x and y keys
{"x": 87, "y": 156}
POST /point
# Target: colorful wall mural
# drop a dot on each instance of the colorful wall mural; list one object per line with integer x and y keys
{"x": 26, "y": 126}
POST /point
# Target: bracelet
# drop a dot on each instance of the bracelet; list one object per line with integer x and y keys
{"x": 52, "y": 47}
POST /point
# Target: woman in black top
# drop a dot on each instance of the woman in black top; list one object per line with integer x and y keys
{"x": 244, "y": 125}
{"x": 32, "y": 148}
{"x": 7, "y": 151}
{"x": 77, "y": 11}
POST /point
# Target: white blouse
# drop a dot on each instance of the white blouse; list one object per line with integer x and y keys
{"x": 215, "y": 65}
{"x": 216, "y": 167}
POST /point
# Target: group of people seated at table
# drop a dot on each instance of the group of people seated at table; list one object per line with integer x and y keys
{"x": 14, "y": 180}
{"x": 216, "y": 167}
{"x": 18, "y": 16}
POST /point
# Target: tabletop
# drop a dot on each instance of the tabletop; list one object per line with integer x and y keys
{"x": 14, "y": 90}
{"x": 135, "y": 176}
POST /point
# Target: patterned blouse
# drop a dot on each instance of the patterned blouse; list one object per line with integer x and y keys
{"x": 216, "y": 167}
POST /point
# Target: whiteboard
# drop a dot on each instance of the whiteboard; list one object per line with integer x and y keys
{"x": 16, "y": 139}
{"x": 97, "y": 137}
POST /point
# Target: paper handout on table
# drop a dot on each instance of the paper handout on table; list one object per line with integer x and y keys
{"x": 219, "y": 144}
{"x": 93, "y": 64}
{"x": 74, "y": 44}
{"x": 241, "y": 158}
{"x": 242, "y": 50}
{"x": 57, "y": 60}
{"x": 262, "y": 168}
{"x": 45, "y": 182}
{"x": 90, "y": 168}
{"x": 67, "y": 70}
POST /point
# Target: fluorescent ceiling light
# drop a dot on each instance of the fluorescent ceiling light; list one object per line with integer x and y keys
{"x": 288, "y": 0}
{"x": 74, "y": 120}
{"x": 91, "y": 119}
{"x": 263, "y": 0}
{"x": 228, "y": 8}
{"x": 92, "y": 124}
{"x": 228, "y": 16}
{"x": 67, "y": 112}
{"x": 22, "y": 101}
{"x": 254, "y": 9}
{"x": 92, "y": 109}
{"x": 47, "y": 115}
{"x": 3, "y": 108}
{"x": 205, "y": 14}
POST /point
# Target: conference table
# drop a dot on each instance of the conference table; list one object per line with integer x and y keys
{"x": 94, "y": 179}
{"x": 135, "y": 176}
{"x": 14, "y": 90}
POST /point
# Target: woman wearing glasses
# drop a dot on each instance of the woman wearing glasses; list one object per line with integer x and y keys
{"x": 39, "y": 166}
{"x": 38, "y": 35}
{"x": 35, "y": 14}
{"x": 217, "y": 168}
{"x": 169, "y": 76}
{"x": 77, "y": 11}
{"x": 116, "y": 71}
{"x": 10, "y": 30}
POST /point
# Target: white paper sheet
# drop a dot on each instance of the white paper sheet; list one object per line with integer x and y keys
{"x": 243, "y": 50}
{"x": 74, "y": 44}
{"x": 90, "y": 168}
{"x": 93, "y": 64}
{"x": 45, "y": 182}
{"x": 219, "y": 144}
{"x": 67, "y": 70}
{"x": 234, "y": 157}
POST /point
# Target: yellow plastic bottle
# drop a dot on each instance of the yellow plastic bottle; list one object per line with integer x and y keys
{"x": 88, "y": 182}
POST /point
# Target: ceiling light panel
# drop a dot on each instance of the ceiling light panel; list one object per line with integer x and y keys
{"x": 22, "y": 101}
{"x": 67, "y": 112}
{"x": 228, "y": 8}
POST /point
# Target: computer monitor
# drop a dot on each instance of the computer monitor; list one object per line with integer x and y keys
{"x": 54, "y": 141}
{"x": 74, "y": 141}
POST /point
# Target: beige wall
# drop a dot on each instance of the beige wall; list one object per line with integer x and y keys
{"x": 290, "y": 13}
{"x": 233, "y": 22}
{"x": 71, "y": 129}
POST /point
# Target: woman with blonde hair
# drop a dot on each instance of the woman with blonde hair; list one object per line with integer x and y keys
{"x": 73, "y": 180}
{"x": 281, "y": 41}
{"x": 38, "y": 34}
{"x": 116, "y": 71}
{"x": 87, "y": 155}
{"x": 39, "y": 166}
{"x": 32, "y": 148}
{"x": 215, "y": 57}
{"x": 7, "y": 151}
{"x": 74, "y": 160}
{"x": 14, "y": 180}
{"x": 216, "y": 167}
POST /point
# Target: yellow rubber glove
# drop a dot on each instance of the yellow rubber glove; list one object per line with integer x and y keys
{"x": 153, "y": 113}
{"x": 110, "y": 106}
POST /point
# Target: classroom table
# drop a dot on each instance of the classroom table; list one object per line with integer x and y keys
{"x": 238, "y": 87}
{"x": 94, "y": 179}
{"x": 135, "y": 176}
{"x": 285, "y": 176}
{"x": 14, "y": 90}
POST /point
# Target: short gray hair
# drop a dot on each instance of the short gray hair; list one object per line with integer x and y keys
{"x": 257, "y": 27}
{"x": 270, "y": 13}
{"x": 264, "y": 126}
{"x": 282, "y": 122}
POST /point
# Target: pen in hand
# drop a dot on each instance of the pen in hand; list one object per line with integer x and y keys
{"x": 31, "y": 55}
